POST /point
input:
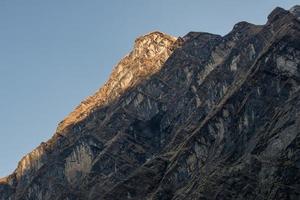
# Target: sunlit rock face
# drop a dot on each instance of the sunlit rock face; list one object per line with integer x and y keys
{"x": 197, "y": 117}
{"x": 149, "y": 53}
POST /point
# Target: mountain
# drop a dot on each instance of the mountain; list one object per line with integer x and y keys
{"x": 195, "y": 117}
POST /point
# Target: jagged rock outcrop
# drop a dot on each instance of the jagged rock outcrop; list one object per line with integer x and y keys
{"x": 198, "y": 117}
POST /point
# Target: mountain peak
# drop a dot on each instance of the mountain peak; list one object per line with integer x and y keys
{"x": 277, "y": 13}
{"x": 147, "y": 57}
{"x": 152, "y": 44}
{"x": 295, "y": 10}
{"x": 155, "y": 36}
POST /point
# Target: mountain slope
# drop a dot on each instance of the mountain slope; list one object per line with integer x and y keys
{"x": 198, "y": 117}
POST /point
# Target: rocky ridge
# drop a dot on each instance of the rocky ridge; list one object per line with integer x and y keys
{"x": 198, "y": 117}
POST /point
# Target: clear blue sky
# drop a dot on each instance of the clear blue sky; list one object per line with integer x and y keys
{"x": 54, "y": 53}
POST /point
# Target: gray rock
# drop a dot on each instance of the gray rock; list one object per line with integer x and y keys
{"x": 197, "y": 117}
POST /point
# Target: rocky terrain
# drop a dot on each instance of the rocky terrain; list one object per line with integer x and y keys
{"x": 201, "y": 116}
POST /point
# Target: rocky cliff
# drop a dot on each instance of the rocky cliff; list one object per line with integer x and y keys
{"x": 197, "y": 117}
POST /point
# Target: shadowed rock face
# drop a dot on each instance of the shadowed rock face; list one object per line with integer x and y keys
{"x": 197, "y": 117}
